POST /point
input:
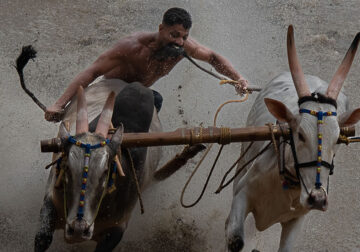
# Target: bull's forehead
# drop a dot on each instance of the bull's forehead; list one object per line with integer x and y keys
{"x": 89, "y": 138}
{"x": 98, "y": 157}
{"x": 309, "y": 123}
{"x": 311, "y": 105}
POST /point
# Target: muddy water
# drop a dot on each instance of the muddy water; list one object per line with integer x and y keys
{"x": 251, "y": 34}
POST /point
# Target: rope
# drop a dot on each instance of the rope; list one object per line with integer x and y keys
{"x": 227, "y": 102}
{"x": 287, "y": 178}
{"x": 222, "y": 82}
{"x": 60, "y": 170}
{"x": 231, "y": 168}
{"x": 65, "y": 208}
{"x": 136, "y": 181}
{"x": 221, "y": 187}
{"x": 277, "y": 152}
{"x": 54, "y": 162}
{"x": 203, "y": 69}
{"x": 225, "y": 138}
{"x": 205, "y": 185}
{"x": 101, "y": 199}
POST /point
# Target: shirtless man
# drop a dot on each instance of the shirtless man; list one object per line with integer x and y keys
{"x": 146, "y": 57}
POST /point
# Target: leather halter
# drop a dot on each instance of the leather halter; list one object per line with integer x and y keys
{"x": 316, "y": 97}
{"x": 88, "y": 148}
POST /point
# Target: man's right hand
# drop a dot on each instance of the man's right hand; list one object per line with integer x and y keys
{"x": 241, "y": 86}
{"x": 54, "y": 113}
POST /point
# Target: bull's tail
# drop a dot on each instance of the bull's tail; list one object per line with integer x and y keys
{"x": 178, "y": 161}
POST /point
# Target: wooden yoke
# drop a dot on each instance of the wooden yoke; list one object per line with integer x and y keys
{"x": 196, "y": 135}
{"x": 213, "y": 135}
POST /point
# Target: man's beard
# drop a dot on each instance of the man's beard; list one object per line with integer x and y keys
{"x": 170, "y": 51}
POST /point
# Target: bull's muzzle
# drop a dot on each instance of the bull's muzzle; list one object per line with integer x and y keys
{"x": 318, "y": 199}
{"x": 78, "y": 230}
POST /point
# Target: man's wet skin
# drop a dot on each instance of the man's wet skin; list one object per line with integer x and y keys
{"x": 150, "y": 64}
{"x": 145, "y": 57}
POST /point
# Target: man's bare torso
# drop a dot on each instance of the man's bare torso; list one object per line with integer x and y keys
{"x": 137, "y": 61}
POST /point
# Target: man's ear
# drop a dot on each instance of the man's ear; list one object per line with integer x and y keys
{"x": 161, "y": 26}
{"x": 279, "y": 110}
{"x": 349, "y": 118}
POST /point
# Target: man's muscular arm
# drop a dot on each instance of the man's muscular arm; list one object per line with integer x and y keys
{"x": 221, "y": 64}
{"x": 102, "y": 65}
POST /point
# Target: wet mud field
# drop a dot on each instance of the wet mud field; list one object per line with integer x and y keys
{"x": 69, "y": 35}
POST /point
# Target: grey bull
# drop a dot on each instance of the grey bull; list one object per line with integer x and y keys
{"x": 81, "y": 204}
{"x": 314, "y": 111}
{"x": 95, "y": 182}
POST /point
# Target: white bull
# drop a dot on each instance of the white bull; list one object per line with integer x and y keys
{"x": 259, "y": 188}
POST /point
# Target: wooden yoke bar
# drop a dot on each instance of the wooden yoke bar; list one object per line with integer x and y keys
{"x": 211, "y": 135}
{"x": 196, "y": 135}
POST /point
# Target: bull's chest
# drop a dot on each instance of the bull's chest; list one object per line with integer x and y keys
{"x": 275, "y": 205}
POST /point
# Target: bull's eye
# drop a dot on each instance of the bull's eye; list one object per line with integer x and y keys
{"x": 301, "y": 137}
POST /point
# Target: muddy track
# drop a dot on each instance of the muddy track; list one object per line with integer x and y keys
{"x": 251, "y": 34}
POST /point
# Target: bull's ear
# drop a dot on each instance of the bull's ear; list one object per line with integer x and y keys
{"x": 349, "y": 118}
{"x": 279, "y": 110}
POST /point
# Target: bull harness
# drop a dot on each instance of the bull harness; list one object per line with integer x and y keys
{"x": 61, "y": 165}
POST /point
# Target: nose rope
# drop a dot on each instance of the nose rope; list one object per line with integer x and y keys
{"x": 320, "y": 121}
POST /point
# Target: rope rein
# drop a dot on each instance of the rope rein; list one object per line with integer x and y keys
{"x": 225, "y": 138}
{"x": 222, "y": 186}
{"x": 138, "y": 191}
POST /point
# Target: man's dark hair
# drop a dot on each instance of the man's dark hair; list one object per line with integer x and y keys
{"x": 177, "y": 16}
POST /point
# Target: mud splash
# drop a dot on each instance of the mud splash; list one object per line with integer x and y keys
{"x": 178, "y": 237}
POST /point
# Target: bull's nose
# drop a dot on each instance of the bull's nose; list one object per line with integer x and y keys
{"x": 78, "y": 230}
{"x": 79, "y": 226}
{"x": 318, "y": 200}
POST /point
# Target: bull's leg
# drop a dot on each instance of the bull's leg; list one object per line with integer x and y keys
{"x": 234, "y": 227}
{"x": 110, "y": 239}
{"x": 289, "y": 233}
{"x": 44, "y": 236}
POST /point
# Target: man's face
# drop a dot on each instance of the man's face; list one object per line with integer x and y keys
{"x": 175, "y": 34}
{"x": 172, "y": 39}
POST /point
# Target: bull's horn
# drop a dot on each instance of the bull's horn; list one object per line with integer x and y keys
{"x": 340, "y": 75}
{"x": 297, "y": 74}
{"x": 103, "y": 124}
{"x": 82, "y": 124}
